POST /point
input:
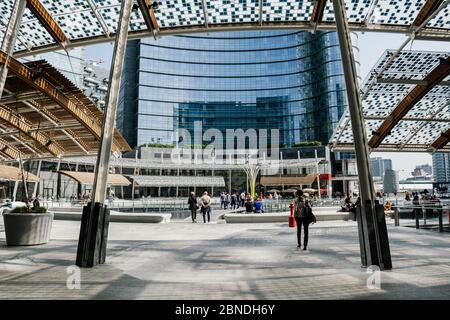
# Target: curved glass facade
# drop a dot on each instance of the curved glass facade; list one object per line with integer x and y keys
{"x": 290, "y": 80}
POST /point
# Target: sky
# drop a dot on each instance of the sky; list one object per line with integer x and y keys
{"x": 371, "y": 47}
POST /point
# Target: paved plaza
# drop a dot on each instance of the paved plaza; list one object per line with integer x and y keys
{"x": 181, "y": 260}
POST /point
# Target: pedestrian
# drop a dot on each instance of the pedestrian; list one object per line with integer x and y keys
{"x": 258, "y": 205}
{"x": 302, "y": 214}
{"x": 228, "y": 200}
{"x": 234, "y": 201}
{"x": 36, "y": 203}
{"x": 242, "y": 199}
{"x": 192, "y": 201}
{"x": 222, "y": 200}
{"x": 407, "y": 196}
{"x": 248, "y": 204}
{"x": 205, "y": 202}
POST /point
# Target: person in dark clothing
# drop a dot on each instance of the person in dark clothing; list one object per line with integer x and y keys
{"x": 36, "y": 203}
{"x": 301, "y": 207}
{"x": 234, "y": 201}
{"x": 192, "y": 201}
{"x": 248, "y": 205}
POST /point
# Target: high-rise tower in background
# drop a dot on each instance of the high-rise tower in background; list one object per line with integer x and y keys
{"x": 87, "y": 74}
{"x": 379, "y": 166}
{"x": 441, "y": 167}
{"x": 284, "y": 79}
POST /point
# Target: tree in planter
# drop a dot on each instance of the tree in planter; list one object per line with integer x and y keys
{"x": 24, "y": 185}
{"x": 27, "y": 208}
{"x": 252, "y": 170}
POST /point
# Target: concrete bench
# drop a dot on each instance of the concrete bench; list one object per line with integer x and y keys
{"x": 321, "y": 215}
{"x": 116, "y": 216}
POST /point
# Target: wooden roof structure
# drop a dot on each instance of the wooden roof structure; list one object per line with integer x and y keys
{"x": 43, "y": 114}
{"x": 287, "y": 180}
{"x": 10, "y": 173}
{"x": 87, "y": 178}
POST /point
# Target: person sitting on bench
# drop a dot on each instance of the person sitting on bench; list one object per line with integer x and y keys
{"x": 258, "y": 206}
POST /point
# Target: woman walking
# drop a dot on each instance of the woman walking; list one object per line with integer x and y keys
{"x": 192, "y": 201}
{"x": 302, "y": 212}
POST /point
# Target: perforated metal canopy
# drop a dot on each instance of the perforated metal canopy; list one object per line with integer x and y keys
{"x": 81, "y": 22}
{"x": 423, "y": 124}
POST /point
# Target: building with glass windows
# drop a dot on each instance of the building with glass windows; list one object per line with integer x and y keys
{"x": 379, "y": 166}
{"x": 441, "y": 167}
{"x": 280, "y": 79}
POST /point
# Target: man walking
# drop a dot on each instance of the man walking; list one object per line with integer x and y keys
{"x": 205, "y": 202}
{"x": 242, "y": 199}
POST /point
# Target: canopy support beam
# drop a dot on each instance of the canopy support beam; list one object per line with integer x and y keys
{"x": 317, "y": 14}
{"x": 442, "y": 141}
{"x": 374, "y": 244}
{"x": 95, "y": 218}
{"x": 47, "y": 21}
{"x": 10, "y": 38}
{"x": 149, "y": 16}
{"x": 205, "y": 14}
{"x": 412, "y": 98}
{"x": 428, "y": 8}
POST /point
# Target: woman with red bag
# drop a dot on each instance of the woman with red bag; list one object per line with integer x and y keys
{"x": 303, "y": 216}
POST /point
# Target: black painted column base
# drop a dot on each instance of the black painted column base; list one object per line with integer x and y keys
{"x": 373, "y": 237}
{"x": 93, "y": 235}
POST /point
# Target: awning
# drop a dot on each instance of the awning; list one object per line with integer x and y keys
{"x": 9, "y": 173}
{"x": 178, "y": 181}
{"x": 88, "y": 178}
{"x": 284, "y": 180}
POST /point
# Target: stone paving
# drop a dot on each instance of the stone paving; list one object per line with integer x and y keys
{"x": 182, "y": 260}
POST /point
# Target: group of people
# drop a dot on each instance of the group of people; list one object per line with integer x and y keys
{"x": 302, "y": 211}
{"x": 244, "y": 200}
{"x": 349, "y": 206}
{"x": 204, "y": 204}
{"x": 253, "y": 204}
{"x": 234, "y": 200}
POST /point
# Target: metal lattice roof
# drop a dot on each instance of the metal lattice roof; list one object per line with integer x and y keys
{"x": 422, "y": 125}
{"x": 91, "y": 21}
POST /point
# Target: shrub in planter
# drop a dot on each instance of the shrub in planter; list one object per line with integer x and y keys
{"x": 27, "y": 226}
{"x": 25, "y": 209}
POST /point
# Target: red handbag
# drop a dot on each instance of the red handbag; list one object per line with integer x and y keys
{"x": 291, "y": 219}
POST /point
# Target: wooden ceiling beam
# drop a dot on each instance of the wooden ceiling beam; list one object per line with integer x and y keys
{"x": 409, "y": 101}
{"x": 47, "y": 21}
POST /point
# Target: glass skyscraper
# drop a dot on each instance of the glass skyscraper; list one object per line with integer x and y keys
{"x": 284, "y": 79}
{"x": 441, "y": 167}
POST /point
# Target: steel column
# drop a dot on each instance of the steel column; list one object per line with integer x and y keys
{"x": 10, "y": 38}
{"x": 95, "y": 218}
{"x": 374, "y": 251}
{"x": 101, "y": 173}
{"x": 16, "y": 186}
{"x": 36, "y": 184}
{"x": 318, "y": 174}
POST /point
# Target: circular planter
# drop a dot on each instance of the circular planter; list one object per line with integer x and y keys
{"x": 27, "y": 229}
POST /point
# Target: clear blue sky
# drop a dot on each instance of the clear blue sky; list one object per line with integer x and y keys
{"x": 371, "y": 46}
